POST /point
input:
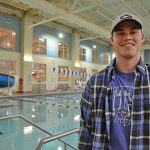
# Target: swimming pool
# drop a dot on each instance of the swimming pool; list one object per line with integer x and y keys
{"x": 53, "y": 114}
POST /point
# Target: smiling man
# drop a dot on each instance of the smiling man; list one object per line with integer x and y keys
{"x": 127, "y": 38}
{"x": 115, "y": 105}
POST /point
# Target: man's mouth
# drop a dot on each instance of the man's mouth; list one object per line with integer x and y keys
{"x": 127, "y": 45}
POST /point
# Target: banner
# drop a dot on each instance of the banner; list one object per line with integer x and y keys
{"x": 71, "y": 72}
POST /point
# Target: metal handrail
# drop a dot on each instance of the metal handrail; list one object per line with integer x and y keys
{"x": 55, "y": 137}
{"x": 16, "y": 116}
{"x": 65, "y": 143}
{"x": 9, "y": 117}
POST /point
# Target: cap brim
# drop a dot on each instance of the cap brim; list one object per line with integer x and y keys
{"x": 137, "y": 24}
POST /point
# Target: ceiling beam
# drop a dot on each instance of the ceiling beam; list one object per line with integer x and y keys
{"x": 135, "y": 12}
{"x": 73, "y": 5}
{"x": 89, "y": 38}
{"x": 51, "y": 9}
{"x": 60, "y": 16}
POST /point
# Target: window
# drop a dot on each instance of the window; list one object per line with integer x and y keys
{"x": 94, "y": 71}
{"x": 94, "y": 56}
{"x": 105, "y": 58}
{"x": 82, "y": 54}
{"x": 39, "y": 45}
{"x": 62, "y": 50}
{"x": 8, "y": 67}
{"x": 83, "y": 71}
{"x": 39, "y": 72}
{"x": 63, "y": 73}
{"x": 7, "y": 39}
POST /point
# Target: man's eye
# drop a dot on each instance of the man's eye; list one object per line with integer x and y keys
{"x": 133, "y": 32}
{"x": 120, "y": 33}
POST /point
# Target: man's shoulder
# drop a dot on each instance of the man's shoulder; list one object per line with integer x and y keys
{"x": 148, "y": 67}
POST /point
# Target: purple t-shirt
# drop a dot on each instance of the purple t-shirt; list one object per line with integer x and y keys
{"x": 122, "y": 85}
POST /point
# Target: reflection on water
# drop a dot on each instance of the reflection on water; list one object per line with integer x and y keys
{"x": 39, "y": 113}
{"x": 54, "y": 114}
{"x": 62, "y": 112}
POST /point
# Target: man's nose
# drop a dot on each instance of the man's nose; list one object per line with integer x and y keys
{"x": 127, "y": 35}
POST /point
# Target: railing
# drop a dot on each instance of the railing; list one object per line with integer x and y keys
{"x": 49, "y": 139}
{"x": 56, "y": 137}
{"x": 9, "y": 117}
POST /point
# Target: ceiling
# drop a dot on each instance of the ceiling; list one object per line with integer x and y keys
{"x": 91, "y": 18}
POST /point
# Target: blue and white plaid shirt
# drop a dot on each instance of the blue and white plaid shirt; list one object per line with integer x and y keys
{"x": 96, "y": 111}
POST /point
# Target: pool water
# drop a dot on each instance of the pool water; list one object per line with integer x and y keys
{"x": 54, "y": 114}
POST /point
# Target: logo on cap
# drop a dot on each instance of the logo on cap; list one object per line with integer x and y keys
{"x": 126, "y": 16}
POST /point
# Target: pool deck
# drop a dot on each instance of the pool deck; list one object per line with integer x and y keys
{"x": 29, "y": 94}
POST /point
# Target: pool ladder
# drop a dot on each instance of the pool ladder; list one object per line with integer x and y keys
{"x": 57, "y": 137}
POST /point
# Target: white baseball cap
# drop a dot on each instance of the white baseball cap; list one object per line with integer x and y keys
{"x": 126, "y": 17}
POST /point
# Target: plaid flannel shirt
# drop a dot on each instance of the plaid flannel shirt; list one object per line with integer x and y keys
{"x": 96, "y": 111}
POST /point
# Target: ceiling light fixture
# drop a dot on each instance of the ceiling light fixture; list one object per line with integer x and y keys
{"x": 61, "y": 35}
{"x": 94, "y": 46}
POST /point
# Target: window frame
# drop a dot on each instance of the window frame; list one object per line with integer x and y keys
{"x": 8, "y": 39}
{"x": 94, "y": 56}
{"x": 63, "y": 73}
{"x": 83, "y": 72}
{"x": 82, "y": 54}
{"x": 105, "y": 58}
{"x": 38, "y": 72}
{"x": 62, "y": 50}
{"x": 39, "y": 45}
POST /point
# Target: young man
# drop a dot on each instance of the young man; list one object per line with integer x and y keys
{"x": 115, "y": 105}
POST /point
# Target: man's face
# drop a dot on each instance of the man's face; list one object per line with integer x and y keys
{"x": 127, "y": 40}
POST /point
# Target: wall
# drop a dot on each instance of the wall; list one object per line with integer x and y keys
{"x": 51, "y": 35}
{"x": 13, "y": 23}
{"x": 88, "y": 45}
{"x": 51, "y": 58}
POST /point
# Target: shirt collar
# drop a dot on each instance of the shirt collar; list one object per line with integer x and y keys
{"x": 139, "y": 68}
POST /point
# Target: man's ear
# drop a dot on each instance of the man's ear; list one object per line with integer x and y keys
{"x": 142, "y": 37}
{"x": 110, "y": 40}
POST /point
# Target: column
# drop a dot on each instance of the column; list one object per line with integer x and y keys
{"x": 26, "y": 66}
